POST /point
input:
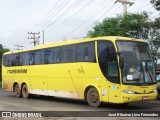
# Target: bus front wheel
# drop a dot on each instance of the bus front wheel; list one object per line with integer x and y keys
{"x": 25, "y": 92}
{"x": 93, "y": 97}
{"x": 17, "y": 90}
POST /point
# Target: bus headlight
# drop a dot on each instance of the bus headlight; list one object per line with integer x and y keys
{"x": 154, "y": 91}
{"x": 129, "y": 91}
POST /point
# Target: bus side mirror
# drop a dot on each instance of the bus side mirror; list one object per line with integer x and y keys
{"x": 155, "y": 61}
{"x": 121, "y": 59}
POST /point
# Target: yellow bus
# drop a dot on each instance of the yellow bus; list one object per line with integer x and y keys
{"x": 109, "y": 69}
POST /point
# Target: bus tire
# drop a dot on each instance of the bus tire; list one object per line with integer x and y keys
{"x": 93, "y": 97}
{"x": 17, "y": 91}
{"x": 25, "y": 92}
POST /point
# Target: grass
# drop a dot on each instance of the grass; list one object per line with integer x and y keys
{"x": 0, "y": 84}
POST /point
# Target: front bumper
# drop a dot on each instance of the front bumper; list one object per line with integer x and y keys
{"x": 128, "y": 98}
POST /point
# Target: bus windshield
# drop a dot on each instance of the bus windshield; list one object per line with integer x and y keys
{"x": 138, "y": 65}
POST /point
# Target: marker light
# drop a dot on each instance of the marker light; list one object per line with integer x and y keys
{"x": 154, "y": 91}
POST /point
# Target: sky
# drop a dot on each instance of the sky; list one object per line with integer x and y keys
{"x": 60, "y": 19}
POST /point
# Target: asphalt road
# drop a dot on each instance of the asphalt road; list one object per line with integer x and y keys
{"x": 8, "y": 102}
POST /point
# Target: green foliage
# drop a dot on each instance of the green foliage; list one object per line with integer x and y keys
{"x": 2, "y": 51}
{"x": 156, "y": 30}
{"x": 137, "y": 25}
{"x": 154, "y": 36}
{"x": 156, "y": 4}
{"x": 110, "y": 26}
{"x": 131, "y": 25}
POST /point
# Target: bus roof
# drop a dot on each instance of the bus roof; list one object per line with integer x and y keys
{"x": 74, "y": 41}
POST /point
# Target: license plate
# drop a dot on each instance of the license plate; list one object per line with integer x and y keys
{"x": 145, "y": 98}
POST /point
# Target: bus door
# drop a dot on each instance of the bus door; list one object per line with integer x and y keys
{"x": 108, "y": 64}
{"x": 113, "y": 80}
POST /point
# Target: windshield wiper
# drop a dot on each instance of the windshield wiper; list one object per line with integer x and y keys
{"x": 147, "y": 70}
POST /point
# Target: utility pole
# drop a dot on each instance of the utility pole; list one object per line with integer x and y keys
{"x": 18, "y": 47}
{"x": 125, "y": 3}
{"x": 35, "y": 39}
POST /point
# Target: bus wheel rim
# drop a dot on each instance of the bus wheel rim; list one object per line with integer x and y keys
{"x": 94, "y": 97}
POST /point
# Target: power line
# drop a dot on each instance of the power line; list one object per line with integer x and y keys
{"x": 66, "y": 12}
{"x": 145, "y": 6}
{"x": 73, "y": 14}
{"x": 111, "y": 12}
{"x": 98, "y": 18}
{"x": 154, "y": 16}
{"x": 139, "y": 1}
{"x": 51, "y": 16}
{"x": 21, "y": 38}
{"x": 150, "y": 7}
{"x": 61, "y": 6}
{"x": 97, "y": 10}
{"x": 85, "y": 21}
{"x": 54, "y": 7}
{"x": 42, "y": 19}
{"x": 63, "y": 14}
{"x": 103, "y": 16}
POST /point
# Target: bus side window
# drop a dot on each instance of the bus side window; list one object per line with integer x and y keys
{"x": 26, "y": 58}
{"x": 57, "y": 55}
{"x": 6, "y": 60}
{"x": 86, "y": 52}
{"x": 73, "y": 53}
{"x": 113, "y": 74}
{"x": 47, "y": 56}
{"x": 18, "y": 60}
{"x": 102, "y": 56}
{"x": 80, "y": 52}
{"x": 61, "y": 55}
{"x": 37, "y": 57}
{"x": 8, "y": 63}
{"x": 70, "y": 53}
{"x": 90, "y": 52}
{"x": 112, "y": 68}
{"x": 13, "y": 60}
{"x": 41, "y": 58}
{"x": 31, "y": 59}
{"x": 53, "y": 58}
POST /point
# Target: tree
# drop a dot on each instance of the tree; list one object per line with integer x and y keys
{"x": 2, "y": 51}
{"x": 156, "y": 39}
{"x": 131, "y": 25}
{"x": 110, "y": 26}
{"x": 154, "y": 35}
{"x": 156, "y": 4}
